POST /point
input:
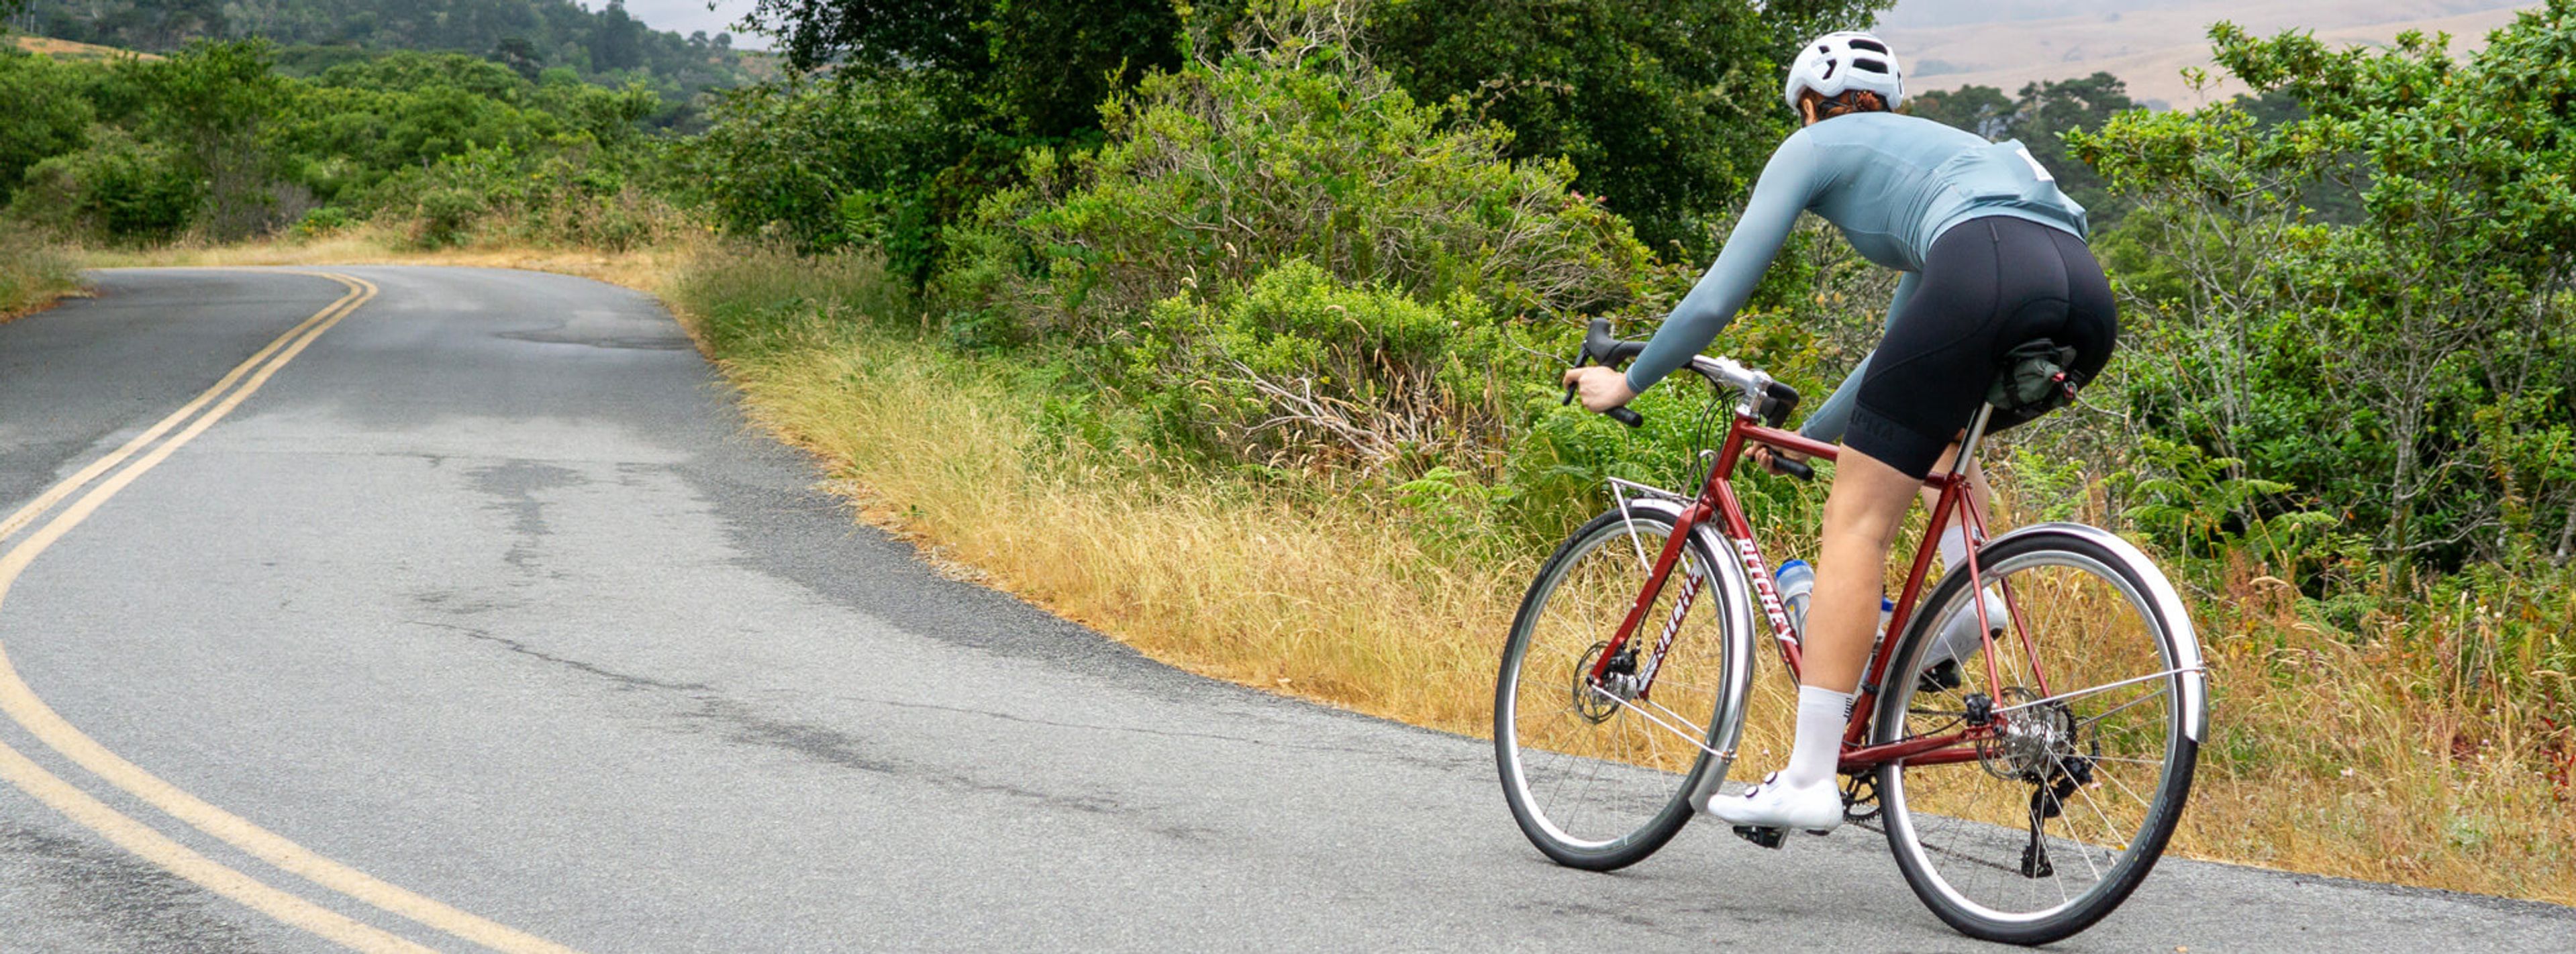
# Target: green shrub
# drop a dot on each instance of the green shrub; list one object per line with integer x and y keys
{"x": 1222, "y": 170}
{"x": 1296, "y": 265}
{"x": 827, "y": 164}
{"x": 118, "y": 190}
{"x": 559, "y": 194}
{"x": 320, "y": 222}
{"x": 1302, "y": 368}
{"x": 42, "y": 114}
{"x": 446, "y": 213}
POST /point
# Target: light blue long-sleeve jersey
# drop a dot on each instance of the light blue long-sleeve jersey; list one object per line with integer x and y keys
{"x": 1891, "y": 183}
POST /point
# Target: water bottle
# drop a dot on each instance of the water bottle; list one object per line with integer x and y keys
{"x": 1797, "y": 592}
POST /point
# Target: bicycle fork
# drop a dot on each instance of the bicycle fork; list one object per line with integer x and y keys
{"x": 1736, "y": 609}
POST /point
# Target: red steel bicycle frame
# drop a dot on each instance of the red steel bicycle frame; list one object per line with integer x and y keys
{"x": 1717, "y": 499}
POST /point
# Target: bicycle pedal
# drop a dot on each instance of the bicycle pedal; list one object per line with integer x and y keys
{"x": 1766, "y": 837}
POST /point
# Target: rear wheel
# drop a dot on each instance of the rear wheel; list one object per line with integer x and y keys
{"x": 2063, "y": 812}
{"x": 1598, "y": 774}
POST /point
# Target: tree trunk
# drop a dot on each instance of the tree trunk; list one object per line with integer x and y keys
{"x": 2566, "y": 538}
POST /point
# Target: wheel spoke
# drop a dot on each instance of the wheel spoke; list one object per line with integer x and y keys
{"x": 1597, "y": 778}
{"x": 1972, "y": 841}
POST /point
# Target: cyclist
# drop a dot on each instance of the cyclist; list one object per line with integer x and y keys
{"x": 1993, "y": 256}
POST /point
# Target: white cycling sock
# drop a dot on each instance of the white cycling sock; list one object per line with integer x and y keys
{"x": 1822, "y": 713}
{"x": 1954, "y": 548}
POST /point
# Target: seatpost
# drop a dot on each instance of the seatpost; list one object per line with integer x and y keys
{"x": 1968, "y": 448}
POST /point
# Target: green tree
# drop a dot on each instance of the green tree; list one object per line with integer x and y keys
{"x": 42, "y": 114}
{"x": 2412, "y": 372}
{"x": 1983, "y": 110}
{"x": 214, "y": 100}
{"x": 1036, "y": 68}
{"x": 1667, "y": 109}
{"x": 825, "y": 163}
{"x": 2041, "y": 117}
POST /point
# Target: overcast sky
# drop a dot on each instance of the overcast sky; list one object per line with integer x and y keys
{"x": 689, "y": 16}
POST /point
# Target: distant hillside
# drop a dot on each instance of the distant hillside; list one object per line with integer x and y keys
{"x": 604, "y": 45}
{"x": 2007, "y": 43}
{"x": 71, "y": 51}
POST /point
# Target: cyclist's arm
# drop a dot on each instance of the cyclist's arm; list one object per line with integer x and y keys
{"x": 1827, "y": 421}
{"x": 1787, "y": 184}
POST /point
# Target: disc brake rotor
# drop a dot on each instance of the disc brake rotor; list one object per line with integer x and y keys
{"x": 1597, "y": 702}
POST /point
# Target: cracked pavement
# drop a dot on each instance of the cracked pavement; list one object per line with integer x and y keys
{"x": 493, "y": 595}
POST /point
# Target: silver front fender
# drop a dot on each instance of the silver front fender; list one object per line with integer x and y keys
{"x": 1734, "y": 592}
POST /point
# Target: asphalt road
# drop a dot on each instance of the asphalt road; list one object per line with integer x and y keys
{"x": 488, "y": 608}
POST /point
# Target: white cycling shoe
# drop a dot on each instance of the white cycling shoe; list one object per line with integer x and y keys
{"x": 1816, "y": 808}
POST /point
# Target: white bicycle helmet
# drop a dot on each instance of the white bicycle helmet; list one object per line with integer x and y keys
{"x": 1837, "y": 63}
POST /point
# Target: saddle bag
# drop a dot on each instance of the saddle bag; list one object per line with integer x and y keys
{"x": 2038, "y": 376}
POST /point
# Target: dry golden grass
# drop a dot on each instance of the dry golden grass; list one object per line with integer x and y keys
{"x": 1218, "y": 580}
{"x": 76, "y": 51}
{"x": 642, "y": 268}
{"x": 33, "y": 276}
{"x": 2323, "y": 770}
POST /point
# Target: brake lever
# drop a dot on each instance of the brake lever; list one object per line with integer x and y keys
{"x": 1621, "y": 414}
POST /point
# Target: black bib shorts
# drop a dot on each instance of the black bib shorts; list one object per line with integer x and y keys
{"x": 1989, "y": 285}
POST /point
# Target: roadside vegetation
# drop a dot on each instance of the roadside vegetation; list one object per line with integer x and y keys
{"x": 32, "y": 275}
{"x": 1244, "y": 354}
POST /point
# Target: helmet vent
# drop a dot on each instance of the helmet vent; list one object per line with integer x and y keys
{"x": 1871, "y": 45}
{"x": 1865, "y": 63}
{"x": 1829, "y": 69}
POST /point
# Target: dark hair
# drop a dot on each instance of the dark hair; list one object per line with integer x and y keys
{"x": 1845, "y": 102}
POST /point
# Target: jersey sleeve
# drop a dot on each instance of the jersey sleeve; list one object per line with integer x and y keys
{"x": 1788, "y": 183}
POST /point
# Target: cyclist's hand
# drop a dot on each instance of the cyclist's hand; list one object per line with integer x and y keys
{"x": 1600, "y": 388}
{"x": 1762, "y": 457}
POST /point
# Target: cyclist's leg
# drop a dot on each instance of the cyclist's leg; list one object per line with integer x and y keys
{"x": 1832, "y": 417}
{"x": 1960, "y": 637}
{"x": 1862, "y": 514}
{"x": 1923, "y": 384}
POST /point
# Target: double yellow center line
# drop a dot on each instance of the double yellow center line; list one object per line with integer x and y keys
{"x": 101, "y": 480}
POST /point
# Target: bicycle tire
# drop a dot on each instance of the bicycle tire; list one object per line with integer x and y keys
{"x": 2061, "y": 775}
{"x": 1533, "y": 739}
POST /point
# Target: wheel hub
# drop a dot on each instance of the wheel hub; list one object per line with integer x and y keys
{"x": 2030, "y": 743}
{"x": 1597, "y": 700}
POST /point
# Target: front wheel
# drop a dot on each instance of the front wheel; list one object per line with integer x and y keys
{"x": 2095, "y": 700}
{"x": 1599, "y": 773}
